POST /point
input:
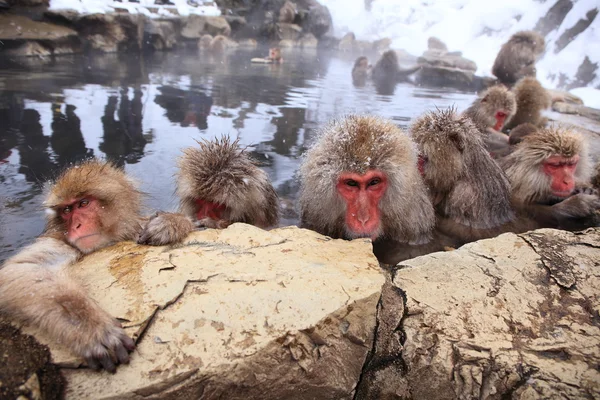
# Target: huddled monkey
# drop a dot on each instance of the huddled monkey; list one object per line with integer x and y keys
{"x": 89, "y": 207}
{"x": 361, "y": 71}
{"x": 219, "y": 184}
{"x": 469, "y": 191}
{"x": 517, "y": 57}
{"x": 490, "y": 112}
{"x": 531, "y": 99}
{"x": 387, "y": 72}
{"x": 549, "y": 171}
{"x": 360, "y": 179}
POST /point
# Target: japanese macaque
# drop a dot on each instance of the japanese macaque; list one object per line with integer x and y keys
{"x": 490, "y": 112}
{"x": 360, "y": 179}
{"x": 596, "y": 177}
{"x": 469, "y": 191}
{"x": 387, "y": 72}
{"x": 361, "y": 71}
{"x": 531, "y": 98}
{"x": 287, "y": 13}
{"x": 205, "y": 41}
{"x": 518, "y": 56}
{"x": 517, "y": 134}
{"x": 275, "y": 55}
{"x": 549, "y": 171}
{"x": 220, "y": 43}
{"x": 89, "y": 207}
{"x": 219, "y": 184}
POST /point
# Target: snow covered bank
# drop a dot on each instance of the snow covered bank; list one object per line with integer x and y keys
{"x": 477, "y": 28}
{"x": 145, "y": 7}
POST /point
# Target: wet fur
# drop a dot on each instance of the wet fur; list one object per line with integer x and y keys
{"x": 517, "y": 57}
{"x": 468, "y": 189}
{"x": 220, "y": 171}
{"x": 532, "y": 99}
{"x": 483, "y": 110}
{"x": 356, "y": 144}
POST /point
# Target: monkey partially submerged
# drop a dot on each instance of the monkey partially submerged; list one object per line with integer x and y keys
{"x": 469, "y": 191}
{"x": 360, "y": 179}
{"x": 549, "y": 171}
{"x": 219, "y": 184}
{"x": 89, "y": 207}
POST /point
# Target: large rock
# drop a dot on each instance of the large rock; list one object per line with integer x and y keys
{"x": 289, "y": 31}
{"x": 445, "y": 77}
{"x": 110, "y": 33}
{"x": 160, "y": 35}
{"x": 435, "y": 58}
{"x": 318, "y": 21}
{"x": 197, "y": 25}
{"x": 239, "y": 314}
{"x": 511, "y": 317}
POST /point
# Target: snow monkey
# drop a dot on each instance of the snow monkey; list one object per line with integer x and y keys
{"x": 89, "y": 207}
{"x": 219, "y": 184}
{"x": 361, "y": 71}
{"x": 360, "y": 179}
{"x": 469, "y": 191}
{"x": 549, "y": 172}
{"x": 518, "y": 56}
{"x": 532, "y": 99}
{"x": 490, "y": 112}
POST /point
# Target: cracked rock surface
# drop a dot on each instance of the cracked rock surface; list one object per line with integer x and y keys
{"x": 512, "y": 317}
{"x": 239, "y": 313}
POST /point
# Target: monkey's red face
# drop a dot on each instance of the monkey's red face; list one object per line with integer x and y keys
{"x": 561, "y": 171}
{"x": 82, "y": 222}
{"x": 362, "y": 194}
{"x": 207, "y": 209}
{"x": 500, "y": 119}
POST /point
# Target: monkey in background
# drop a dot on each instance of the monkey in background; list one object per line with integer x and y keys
{"x": 469, "y": 191}
{"x": 549, "y": 171}
{"x": 205, "y": 41}
{"x": 490, "y": 112}
{"x": 360, "y": 179}
{"x": 531, "y": 99}
{"x": 387, "y": 72}
{"x": 517, "y": 57}
{"x": 275, "y": 55}
{"x": 89, "y": 207}
{"x": 361, "y": 71}
{"x": 287, "y": 13}
{"x": 219, "y": 184}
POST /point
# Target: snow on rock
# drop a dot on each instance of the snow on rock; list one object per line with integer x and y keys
{"x": 477, "y": 28}
{"x": 590, "y": 96}
{"x": 143, "y": 7}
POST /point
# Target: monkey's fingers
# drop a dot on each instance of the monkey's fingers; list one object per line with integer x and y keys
{"x": 101, "y": 358}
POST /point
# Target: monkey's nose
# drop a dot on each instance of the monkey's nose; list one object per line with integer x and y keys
{"x": 363, "y": 219}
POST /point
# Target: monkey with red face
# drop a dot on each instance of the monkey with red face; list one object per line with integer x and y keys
{"x": 89, "y": 207}
{"x": 549, "y": 171}
{"x": 360, "y": 179}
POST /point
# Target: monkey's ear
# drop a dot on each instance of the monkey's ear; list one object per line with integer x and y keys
{"x": 484, "y": 100}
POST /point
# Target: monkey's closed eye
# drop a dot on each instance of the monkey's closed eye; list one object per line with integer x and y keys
{"x": 374, "y": 182}
{"x": 351, "y": 182}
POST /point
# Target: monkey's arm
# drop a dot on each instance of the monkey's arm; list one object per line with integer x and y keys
{"x": 165, "y": 228}
{"x": 576, "y": 212}
{"x": 35, "y": 289}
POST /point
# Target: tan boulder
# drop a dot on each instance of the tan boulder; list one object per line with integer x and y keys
{"x": 515, "y": 317}
{"x": 239, "y": 313}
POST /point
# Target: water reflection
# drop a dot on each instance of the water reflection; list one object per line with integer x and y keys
{"x": 140, "y": 112}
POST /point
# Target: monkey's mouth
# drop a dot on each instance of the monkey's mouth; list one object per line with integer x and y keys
{"x": 562, "y": 194}
{"x": 88, "y": 243}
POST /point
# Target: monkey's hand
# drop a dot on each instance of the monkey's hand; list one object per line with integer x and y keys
{"x": 107, "y": 346}
{"x": 212, "y": 223}
{"x": 165, "y": 228}
{"x": 577, "y": 206}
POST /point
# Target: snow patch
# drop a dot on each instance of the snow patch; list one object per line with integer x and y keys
{"x": 146, "y": 7}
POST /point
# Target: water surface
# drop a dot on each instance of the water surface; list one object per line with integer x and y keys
{"x": 140, "y": 111}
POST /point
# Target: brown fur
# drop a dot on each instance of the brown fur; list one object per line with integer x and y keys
{"x": 468, "y": 188}
{"x": 517, "y": 57}
{"x": 222, "y": 172}
{"x": 220, "y": 43}
{"x": 205, "y": 41}
{"x": 61, "y": 306}
{"x": 357, "y": 144}
{"x": 387, "y": 71}
{"x": 483, "y": 110}
{"x": 532, "y": 98}
{"x": 517, "y": 134}
{"x": 596, "y": 177}
{"x": 360, "y": 71}
{"x": 531, "y": 187}
{"x": 287, "y": 13}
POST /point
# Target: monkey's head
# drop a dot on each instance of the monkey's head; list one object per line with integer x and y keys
{"x": 493, "y": 108}
{"x": 92, "y": 205}
{"x": 360, "y": 180}
{"x": 275, "y": 53}
{"x": 518, "y": 134}
{"x": 219, "y": 180}
{"x": 361, "y": 62}
{"x": 547, "y": 165}
{"x": 531, "y": 95}
{"x": 465, "y": 183}
{"x": 531, "y": 39}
